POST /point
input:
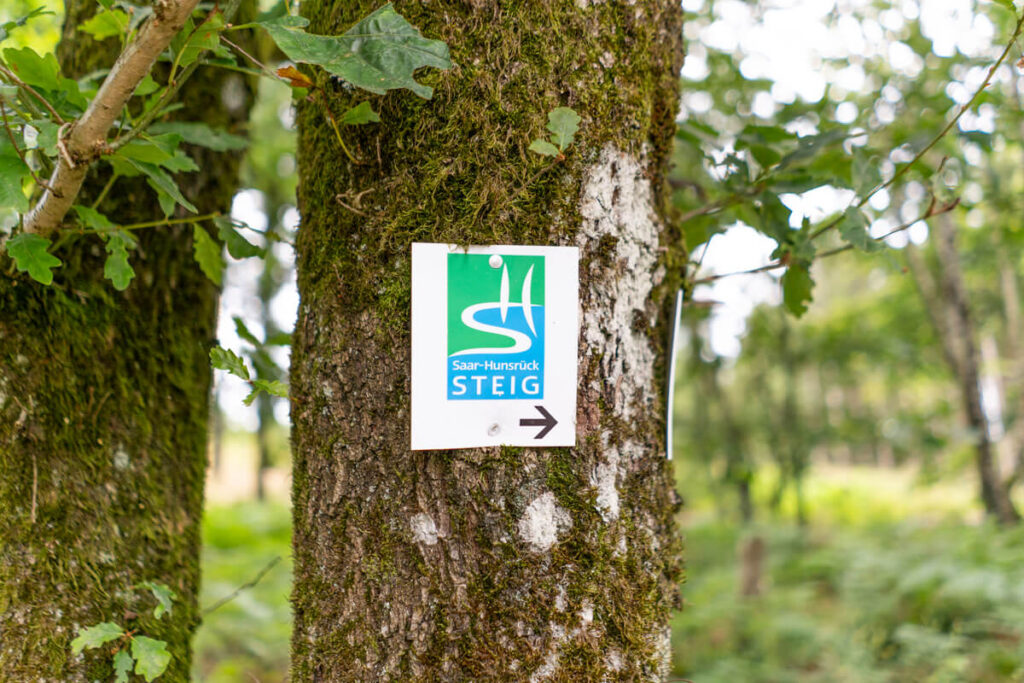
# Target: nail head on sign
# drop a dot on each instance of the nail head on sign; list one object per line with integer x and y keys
{"x": 493, "y": 429}
{"x": 494, "y": 261}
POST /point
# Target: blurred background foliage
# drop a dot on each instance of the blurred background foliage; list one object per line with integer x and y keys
{"x": 828, "y": 462}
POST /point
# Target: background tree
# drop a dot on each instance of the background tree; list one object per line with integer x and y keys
{"x": 104, "y": 408}
{"x": 488, "y": 564}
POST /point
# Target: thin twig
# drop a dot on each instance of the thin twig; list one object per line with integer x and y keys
{"x": 245, "y": 586}
{"x": 32, "y": 91}
{"x": 775, "y": 265}
{"x": 87, "y": 138}
{"x": 266, "y": 69}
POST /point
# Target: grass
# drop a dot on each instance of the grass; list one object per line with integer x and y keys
{"x": 246, "y": 639}
{"x": 890, "y": 582}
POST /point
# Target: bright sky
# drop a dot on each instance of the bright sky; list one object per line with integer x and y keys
{"x": 786, "y": 41}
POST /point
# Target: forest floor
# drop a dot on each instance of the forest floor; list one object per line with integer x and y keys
{"x": 889, "y": 581}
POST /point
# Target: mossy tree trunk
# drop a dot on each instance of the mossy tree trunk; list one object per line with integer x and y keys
{"x": 500, "y": 563}
{"x": 103, "y": 413}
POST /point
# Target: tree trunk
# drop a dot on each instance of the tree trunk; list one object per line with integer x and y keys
{"x": 506, "y": 563}
{"x": 103, "y": 413}
{"x": 949, "y": 311}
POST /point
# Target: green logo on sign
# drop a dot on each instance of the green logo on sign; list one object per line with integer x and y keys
{"x": 495, "y": 326}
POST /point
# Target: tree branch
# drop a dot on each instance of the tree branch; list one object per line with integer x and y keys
{"x": 775, "y": 265}
{"x": 1018, "y": 28}
{"x": 87, "y": 137}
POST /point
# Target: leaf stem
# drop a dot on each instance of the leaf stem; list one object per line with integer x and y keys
{"x": 106, "y": 188}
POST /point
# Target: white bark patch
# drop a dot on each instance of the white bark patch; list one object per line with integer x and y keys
{"x": 545, "y": 670}
{"x": 604, "y": 479}
{"x": 424, "y": 530}
{"x": 121, "y": 459}
{"x": 617, "y": 203}
{"x": 543, "y": 521}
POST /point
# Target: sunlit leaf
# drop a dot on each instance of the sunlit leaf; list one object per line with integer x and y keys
{"x": 105, "y": 24}
{"x": 95, "y": 636}
{"x": 563, "y": 123}
{"x": 543, "y": 147}
{"x": 151, "y": 656}
{"x": 226, "y": 359}
{"x": 123, "y": 663}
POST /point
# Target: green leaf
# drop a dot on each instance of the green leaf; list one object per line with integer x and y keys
{"x": 279, "y": 339}
{"x": 853, "y": 228}
{"x": 151, "y": 657}
{"x": 867, "y": 173}
{"x": 47, "y": 138}
{"x": 192, "y": 41}
{"x": 207, "y": 254}
{"x": 238, "y": 246}
{"x": 358, "y": 115}
{"x": 95, "y": 636}
{"x": 378, "y": 54}
{"x": 272, "y": 387}
{"x": 106, "y": 24}
{"x": 123, "y": 663}
{"x": 162, "y": 182}
{"x": 180, "y": 163}
{"x": 13, "y": 173}
{"x": 93, "y": 219}
{"x": 166, "y": 202}
{"x": 543, "y": 147}
{"x": 145, "y": 151}
{"x": 116, "y": 268}
{"x": 563, "y": 123}
{"x": 30, "y": 253}
{"x": 8, "y": 26}
{"x": 202, "y": 135}
{"x": 796, "y": 289}
{"x": 243, "y": 332}
{"x": 147, "y": 86}
{"x": 164, "y": 595}
{"x": 226, "y": 359}
{"x": 33, "y": 68}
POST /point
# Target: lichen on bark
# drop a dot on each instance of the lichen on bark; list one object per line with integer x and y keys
{"x": 500, "y": 563}
{"x": 103, "y": 408}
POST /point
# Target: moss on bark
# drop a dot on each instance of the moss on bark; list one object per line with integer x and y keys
{"x": 373, "y": 602}
{"x": 103, "y": 409}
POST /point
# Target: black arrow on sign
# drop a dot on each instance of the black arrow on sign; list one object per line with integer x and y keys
{"x": 548, "y": 423}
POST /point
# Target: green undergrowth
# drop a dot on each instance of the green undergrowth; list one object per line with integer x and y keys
{"x": 897, "y": 600}
{"x": 246, "y": 639}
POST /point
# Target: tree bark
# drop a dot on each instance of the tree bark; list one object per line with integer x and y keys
{"x": 103, "y": 414}
{"x": 949, "y": 311}
{"x": 429, "y": 565}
